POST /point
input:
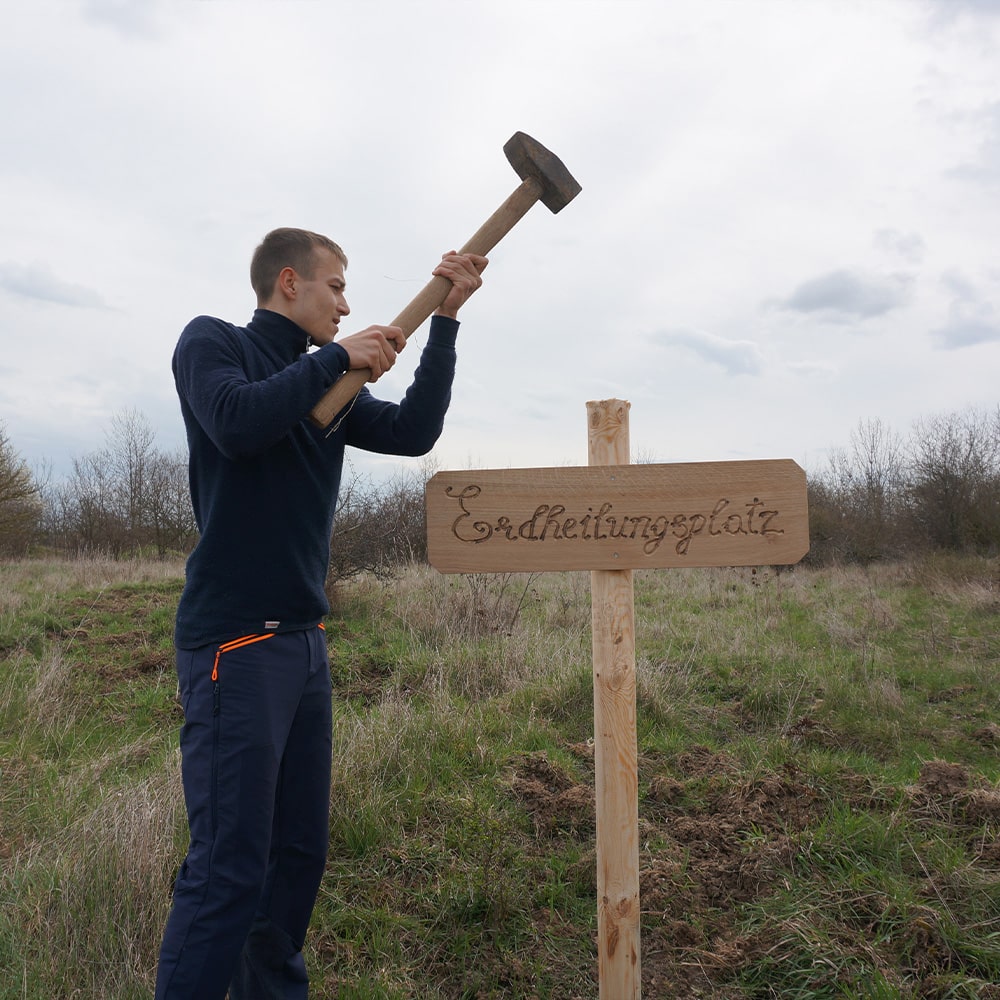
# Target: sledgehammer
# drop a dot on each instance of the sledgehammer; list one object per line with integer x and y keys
{"x": 544, "y": 178}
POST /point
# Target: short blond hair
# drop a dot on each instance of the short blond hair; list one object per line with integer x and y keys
{"x": 287, "y": 247}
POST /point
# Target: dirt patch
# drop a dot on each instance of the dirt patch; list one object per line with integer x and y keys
{"x": 988, "y": 736}
{"x": 739, "y": 838}
{"x": 702, "y": 762}
{"x": 719, "y": 841}
{"x": 940, "y": 782}
{"x": 947, "y": 792}
{"x": 982, "y": 805}
{"x": 722, "y": 845}
{"x": 811, "y": 732}
{"x": 665, "y": 790}
{"x": 555, "y": 800}
{"x": 951, "y": 694}
{"x": 119, "y": 635}
{"x": 367, "y": 681}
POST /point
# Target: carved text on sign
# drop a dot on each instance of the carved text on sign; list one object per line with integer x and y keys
{"x": 617, "y": 516}
{"x": 552, "y": 521}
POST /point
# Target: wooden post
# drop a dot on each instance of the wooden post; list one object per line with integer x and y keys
{"x": 615, "y": 741}
{"x": 610, "y": 518}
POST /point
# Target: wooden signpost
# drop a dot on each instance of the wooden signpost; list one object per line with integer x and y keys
{"x": 611, "y": 518}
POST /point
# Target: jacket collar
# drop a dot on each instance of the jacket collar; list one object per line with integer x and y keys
{"x": 279, "y": 333}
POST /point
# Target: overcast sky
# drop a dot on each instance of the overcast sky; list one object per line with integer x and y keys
{"x": 788, "y": 221}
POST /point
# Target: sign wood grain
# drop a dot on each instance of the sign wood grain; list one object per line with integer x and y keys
{"x": 751, "y": 513}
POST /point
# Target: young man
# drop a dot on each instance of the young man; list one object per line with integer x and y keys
{"x": 251, "y": 656}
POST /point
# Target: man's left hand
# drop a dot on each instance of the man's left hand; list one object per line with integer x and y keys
{"x": 464, "y": 271}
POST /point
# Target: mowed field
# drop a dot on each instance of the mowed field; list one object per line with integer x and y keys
{"x": 819, "y": 783}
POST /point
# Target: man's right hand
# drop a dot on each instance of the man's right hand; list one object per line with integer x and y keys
{"x": 375, "y": 347}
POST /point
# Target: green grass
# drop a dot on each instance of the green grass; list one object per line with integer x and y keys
{"x": 818, "y": 776}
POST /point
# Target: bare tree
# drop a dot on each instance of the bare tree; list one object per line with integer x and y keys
{"x": 89, "y": 506}
{"x": 861, "y": 499}
{"x": 131, "y": 457}
{"x": 128, "y": 495}
{"x": 20, "y": 504}
{"x": 170, "y": 514}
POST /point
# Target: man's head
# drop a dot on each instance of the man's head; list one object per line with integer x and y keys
{"x": 287, "y": 247}
{"x": 301, "y": 275}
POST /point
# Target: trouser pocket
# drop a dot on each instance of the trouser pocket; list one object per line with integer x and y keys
{"x": 226, "y": 647}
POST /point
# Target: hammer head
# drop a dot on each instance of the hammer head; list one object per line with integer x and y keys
{"x": 531, "y": 159}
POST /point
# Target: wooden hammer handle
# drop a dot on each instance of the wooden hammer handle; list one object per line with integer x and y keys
{"x": 489, "y": 234}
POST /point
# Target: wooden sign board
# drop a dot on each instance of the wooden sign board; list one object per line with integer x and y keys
{"x": 617, "y": 517}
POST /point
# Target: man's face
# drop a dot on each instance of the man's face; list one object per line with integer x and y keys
{"x": 319, "y": 304}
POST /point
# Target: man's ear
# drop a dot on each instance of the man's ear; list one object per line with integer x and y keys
{"x": 287, "y": 282}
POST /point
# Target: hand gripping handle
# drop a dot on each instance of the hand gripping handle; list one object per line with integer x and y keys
{"x": 489, "y": 234}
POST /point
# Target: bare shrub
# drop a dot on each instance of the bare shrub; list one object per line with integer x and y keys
{"x": 955, "y": 481}
{"x": 487, "y": 632}
{"x": 378, "y": 527}
{"x": 884, "y": 498}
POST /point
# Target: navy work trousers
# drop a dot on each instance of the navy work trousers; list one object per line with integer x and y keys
{"x": 255, "y": 750}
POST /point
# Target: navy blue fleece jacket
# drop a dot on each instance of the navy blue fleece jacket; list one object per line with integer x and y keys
{"x": 264, "y": 480}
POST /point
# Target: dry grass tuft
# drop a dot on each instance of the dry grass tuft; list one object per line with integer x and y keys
{"x": 21, "y": 579}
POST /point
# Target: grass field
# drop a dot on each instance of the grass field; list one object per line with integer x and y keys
{"x": 818, "y": 773}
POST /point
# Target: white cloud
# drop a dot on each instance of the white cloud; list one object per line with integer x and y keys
{"x": 845, "y": 296}
{"x": 909, "y": 246}
{"x": 37, "y": 281}
{"x": 735, "y": 357}
{"x": 946, "y": 12}
{"x": 972, "y": 317}
{"x": 132, "y": 18}
{"x": 983, "y": 167}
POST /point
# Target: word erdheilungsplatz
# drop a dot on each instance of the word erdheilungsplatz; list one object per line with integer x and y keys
{"x": 553, "y": 521}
